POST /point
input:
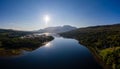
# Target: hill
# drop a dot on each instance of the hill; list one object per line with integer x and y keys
{"x": 13, "y": 33}
{"x": 104, "y": 40}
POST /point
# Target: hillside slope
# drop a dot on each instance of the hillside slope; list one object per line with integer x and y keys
{"x": 105, "y": 40}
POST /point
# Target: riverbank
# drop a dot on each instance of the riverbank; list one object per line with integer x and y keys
{"x": 98, "y": 58}
{"x": 112, "y": 56}
{"x": 102, "y": 39}
{"x": 16, "y": 45}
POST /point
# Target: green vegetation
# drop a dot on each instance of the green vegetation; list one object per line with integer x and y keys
{"x": 13, "y": 33}
{"x": 12, "y": 43}
{"x": 105, "y": 40}
{"x": 111, "y": 56}
{"x": 26, "y": 42}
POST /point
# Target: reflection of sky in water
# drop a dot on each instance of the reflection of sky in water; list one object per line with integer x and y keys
{"x": 47, "y": 34}
{"x": 60, "y": 53}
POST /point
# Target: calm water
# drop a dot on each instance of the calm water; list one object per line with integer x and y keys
{"x": 61, "y": 53}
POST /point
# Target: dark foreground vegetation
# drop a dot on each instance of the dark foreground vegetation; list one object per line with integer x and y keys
{"x": 104, "y": 40}
{"x": 12, "y": 42}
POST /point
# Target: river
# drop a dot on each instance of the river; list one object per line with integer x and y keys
{"x": 61, "y": 53}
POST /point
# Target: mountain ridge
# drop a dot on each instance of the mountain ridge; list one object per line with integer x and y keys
{"x": 57, "y": 29}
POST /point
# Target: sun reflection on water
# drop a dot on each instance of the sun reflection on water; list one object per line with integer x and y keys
{"x": 48, "y": 44}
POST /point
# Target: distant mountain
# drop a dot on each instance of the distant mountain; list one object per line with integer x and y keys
{"x": 57, "y": 29}
{"x": 92, "y": 29}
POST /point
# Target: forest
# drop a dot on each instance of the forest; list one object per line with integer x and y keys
{"x": 104, "y": 40}
{"x": 10, "y": 39}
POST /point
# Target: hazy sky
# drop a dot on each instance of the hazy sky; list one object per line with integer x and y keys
{"x": 28, "y": 14}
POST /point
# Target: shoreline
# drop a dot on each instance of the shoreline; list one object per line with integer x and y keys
{"x": 98, "y": 59}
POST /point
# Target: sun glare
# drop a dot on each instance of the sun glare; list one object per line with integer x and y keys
{"x": 46, "y": 18}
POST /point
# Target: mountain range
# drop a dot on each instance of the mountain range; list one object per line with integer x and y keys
{"x": 57, "y": 29}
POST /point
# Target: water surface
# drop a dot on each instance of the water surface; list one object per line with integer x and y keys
{"x": 61, "y": 53}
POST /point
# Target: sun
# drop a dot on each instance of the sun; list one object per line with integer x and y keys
{"x": 46, "y": 18}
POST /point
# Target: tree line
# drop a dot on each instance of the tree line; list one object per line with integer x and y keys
{"x": 105, "y": 40}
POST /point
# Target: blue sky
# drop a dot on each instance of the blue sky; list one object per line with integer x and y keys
{"x": 28, "y": 14}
